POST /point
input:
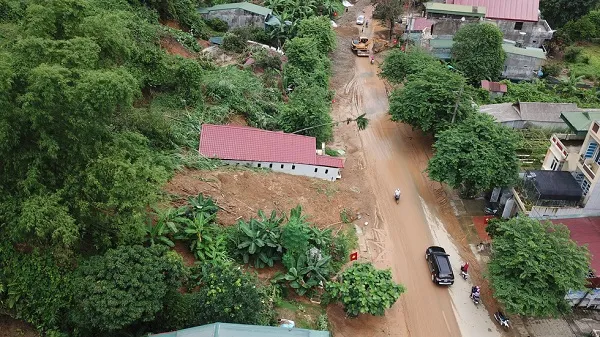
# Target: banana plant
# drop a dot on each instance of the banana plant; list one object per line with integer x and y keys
{"x": 166, "y": 223}
{"x": 200, "y": 204}
{"x": 320, "y": 238}
{"x": 305, "y": 273}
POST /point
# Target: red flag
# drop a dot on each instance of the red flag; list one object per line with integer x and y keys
{"x": 354, "y": 256}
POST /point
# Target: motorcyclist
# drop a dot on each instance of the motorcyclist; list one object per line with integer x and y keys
{"x": 475, "y": 292}
{"x": 372, "y": 59}
{"x": 464, "y": 269}
{"x": 397, "y": 194}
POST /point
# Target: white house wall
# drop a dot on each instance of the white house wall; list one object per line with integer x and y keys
{"x": 321, "y": 172}
{"x": 541, "y": 212}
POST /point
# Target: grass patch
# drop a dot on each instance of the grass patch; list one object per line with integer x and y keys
{"x": 587, "y": 64}
{"x": 306, "y": 315}
{"x": 331, "y": 152}
{"x": 326, "y": 187}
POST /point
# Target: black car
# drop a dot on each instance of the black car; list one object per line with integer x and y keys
{"x": 439, "y": 265}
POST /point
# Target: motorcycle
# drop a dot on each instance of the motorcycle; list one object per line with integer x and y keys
{"x": 476, "y": 299}
{"x": 491, "y": 211}
{"x": 397, "y": 197}
{"x": 500, "y": 318}
{"x": 463, "y": 271}
{"x": 372, "y": 60}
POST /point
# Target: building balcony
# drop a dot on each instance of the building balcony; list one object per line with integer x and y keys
{"x": 589, "y": 167}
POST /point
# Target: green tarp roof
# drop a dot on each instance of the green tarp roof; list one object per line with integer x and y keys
{"x": 531, "y": 52}
{"x": 463, "y": 10}
{"x": 240, "y": 5}
{"x": 242, "y": 330}
{"x": 579, "y": 121}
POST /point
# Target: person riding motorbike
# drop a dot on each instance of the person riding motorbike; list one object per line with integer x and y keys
{"x": 464, "y": 270}
{"x": 397, "y": 194}
{"x": 372, "y": 59}
{"x": 475, "y": 292}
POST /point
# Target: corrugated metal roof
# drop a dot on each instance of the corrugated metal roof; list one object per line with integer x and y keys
{"x": 544, "y": 112}
{"x": 580, "y": 120}
{"x": 240, "y": 5}
{"x": 251, "y": 144}
{"x": 418, "y": 24}
{"x": 242, "y": 330}
{"x": 516, "y": 10}
{"x": 510, "y": 48}
{"x": 454, "y": 9}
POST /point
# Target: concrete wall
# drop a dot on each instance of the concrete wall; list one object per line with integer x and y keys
{"x": 519, "y": 67}
{"x": 541, "y": 212}
{"x": 237, "y": 18}
{"x": 322, "y": 172}
{"x": 448, "y": 24}
{"x": 537, "y": 32}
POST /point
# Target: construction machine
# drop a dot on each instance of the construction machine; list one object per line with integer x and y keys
{"x": 361, "y": 46}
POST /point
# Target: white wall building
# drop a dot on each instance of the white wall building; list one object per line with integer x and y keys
{"x": 277, "y": 151}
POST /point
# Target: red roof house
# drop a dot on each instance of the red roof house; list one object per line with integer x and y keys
{"x": 515, "y": 10}
{"x": 239, "y": 143}
{"x": 585, "y": 231}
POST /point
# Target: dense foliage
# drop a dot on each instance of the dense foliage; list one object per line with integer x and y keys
{"x": 475, "y": 155}
{"x": 124, "y": 286}
{"x": 559, "y": 12}
{"x": 388, "y": 11}
{"x": 428, "y": 100}
{"x": 398, "y": 64}
{"x": 533, "y": 266}
{"x": 477, "y": 51}
{"x": 362, "y": 289}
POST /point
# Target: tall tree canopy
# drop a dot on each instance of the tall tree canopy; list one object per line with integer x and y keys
{"x": 389, "y": 12}
{"x": 559, "y": 12}
{"x": 533, "y": 266}
{"x": 476, "y": 155}
{"x": 477, "y": 51}
{"x": 398, "y": 64}
{"x": 428, "y": 99}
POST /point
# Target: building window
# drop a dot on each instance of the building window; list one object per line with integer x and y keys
{"x": 281, "y": 165}
{"x": 258, "y": 164}
{"x": 554, "y": 165}
{"x": 315, "y": 170}
{"x": 595, "y": 127}
{"x": 585, "y": 186}
{"x": 589, "y": 153}
{"x": 326, "y": 171}
{"x": 534, "y": 41}
{"x": 271, "y": 165}
{"x": 293, "y": 167}
{"x": 518, "y": 25}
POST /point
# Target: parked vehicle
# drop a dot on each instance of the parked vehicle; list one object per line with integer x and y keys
{"x": 361, "y": 46}
{"x": 464, "y": 271}
{"x": 439, "y": 266}
{"x": 360, "y": 20}
{"x": 500, "y": 318}
{"x": 476, "y": 298}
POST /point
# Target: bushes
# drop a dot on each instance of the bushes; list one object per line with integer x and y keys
{"x": 572, "y": 54}
{"x": 233, "y": 43}
{"x": 217, "y": 24}
{"x": 552, "y": 69}
{"x": 364, "y": 290}
{"x": 318, "y": 28}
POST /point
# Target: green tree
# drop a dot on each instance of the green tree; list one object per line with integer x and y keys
{"x": 477, "y": 154}
{"x": 533, "y": 266}
{"x": 398, "y": 64}
{"x": 477, "y": 51}
{"x": 559, "y": 12}
{"x": 389, "y": 11}
{"x": 124, "y": 286}
{"x": 362, "y": 289}
{"x": 428, "y": 100}
{"x": 308, "y": 107}
{"x": 318, "y": 28}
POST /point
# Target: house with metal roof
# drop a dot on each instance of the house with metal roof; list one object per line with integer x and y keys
{"x": 496, "y": 89}
{"x": 517, "y": 19}
{"x": 242, "y": 330}
{"x": 579, "y": 121}
{"x": 241, "y": 14}
{"x": 529, "y": 114}
{"x": 273, "y": 150}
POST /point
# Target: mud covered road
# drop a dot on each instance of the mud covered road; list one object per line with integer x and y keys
{"x": 395, "y": 156}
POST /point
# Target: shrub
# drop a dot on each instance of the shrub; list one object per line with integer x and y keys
{"x": 552, "y": 69}
{"x": 362, "y": 289}
{"x": 233, "y": 43}
{"x": 124, "y": 286}
{"x": 217, "y": 24}
{"x": 572, "y": 54}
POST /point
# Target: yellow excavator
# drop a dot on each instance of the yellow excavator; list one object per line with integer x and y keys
{"x": 361, "y": 46}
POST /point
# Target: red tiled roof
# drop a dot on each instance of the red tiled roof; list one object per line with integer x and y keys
{"x": 421, "y": 23}
{"x": 493, "y": 86}
{"x": 586, "y": 231}
{"x": 516, "y": 10}
{"x": 251, "y": 144}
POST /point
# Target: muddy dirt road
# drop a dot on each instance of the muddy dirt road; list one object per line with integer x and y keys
{"x": 395, "y": 156}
